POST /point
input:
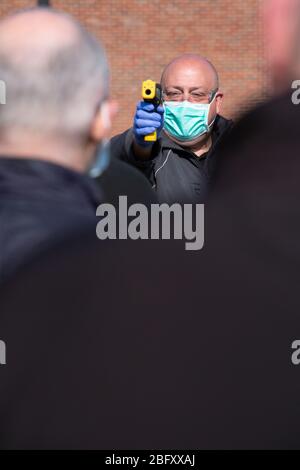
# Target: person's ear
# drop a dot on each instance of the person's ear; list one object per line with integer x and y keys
{"x": 219, "y": 101}
{"x": 102, "y": 122}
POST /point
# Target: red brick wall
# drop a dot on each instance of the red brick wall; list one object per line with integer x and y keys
{"x": 142, "y": 36}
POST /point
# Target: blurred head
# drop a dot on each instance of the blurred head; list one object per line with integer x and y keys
{"x": 192, "y": 78}
{"x": 281, "y": 19}
{"x": 56, "y": 77}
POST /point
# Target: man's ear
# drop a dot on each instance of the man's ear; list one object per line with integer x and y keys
{"x": 219, "y": 101}
{"x": 102, "y": 122}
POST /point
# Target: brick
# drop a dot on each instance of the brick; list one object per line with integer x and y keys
{"x": 141, "y": 37}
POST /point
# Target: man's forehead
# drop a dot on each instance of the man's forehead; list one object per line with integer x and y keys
{"x": 188, "y": 75}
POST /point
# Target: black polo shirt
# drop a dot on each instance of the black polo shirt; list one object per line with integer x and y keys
{"x": 176, "y": 174}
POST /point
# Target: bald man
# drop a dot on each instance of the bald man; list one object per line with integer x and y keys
{"x": 52, "y": 127}
{"x": 189, "y": 126}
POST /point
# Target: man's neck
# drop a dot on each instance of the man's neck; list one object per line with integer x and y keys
{"x": 45, "y": 150}
{"x": 202, "y": 147}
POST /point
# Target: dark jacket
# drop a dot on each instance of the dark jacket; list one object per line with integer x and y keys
{"x": 39, "y": 203}
{"x": 142, "y": 347}
{"x": 176, "y": 174}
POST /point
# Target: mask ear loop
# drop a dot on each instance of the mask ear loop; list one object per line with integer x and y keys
{"x": 214, "y": 94}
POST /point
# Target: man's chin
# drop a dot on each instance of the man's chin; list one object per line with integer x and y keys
{"x": 188, "y": 143}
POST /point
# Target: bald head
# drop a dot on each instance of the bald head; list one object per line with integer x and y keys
{"x": 192, "y": 70}
{"x": 55, "y": 73}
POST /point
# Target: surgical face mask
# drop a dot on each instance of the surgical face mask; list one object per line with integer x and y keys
{"x": 102, "y": 156}
{"x": 101, "y": 161}
{"x": 186, "y": 121}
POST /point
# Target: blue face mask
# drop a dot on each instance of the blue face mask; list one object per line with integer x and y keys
{"x": 101, "y": 161}
{"x": 186, "y": 121}
{"x": 102, "y": 157}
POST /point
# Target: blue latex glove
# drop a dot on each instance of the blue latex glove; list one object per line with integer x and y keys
{"x": 147, "y": 119}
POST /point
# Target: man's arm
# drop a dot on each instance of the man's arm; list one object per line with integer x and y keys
{"x": 147, "y": 119}
{"x": 131, "y": 147}
{"x": 122, "y": 148}
{"x": 141, "y": 153}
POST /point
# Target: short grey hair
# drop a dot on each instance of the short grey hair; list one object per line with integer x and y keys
{"x": 59, "y": 94}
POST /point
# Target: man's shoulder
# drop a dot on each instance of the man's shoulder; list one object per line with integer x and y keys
{"x": 123, "y": 179}
{"x": 222, "y": 125}
{"x": 258, "y": 140}
{"x": 266, "y": 117}
{"x": 120, "y": 144}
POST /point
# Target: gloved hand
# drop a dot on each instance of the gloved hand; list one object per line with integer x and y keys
{"x": 147, "y": 119}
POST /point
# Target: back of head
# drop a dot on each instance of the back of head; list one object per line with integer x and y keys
{"x": 55, "y": 74}
{"x": 281, "y": 21}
